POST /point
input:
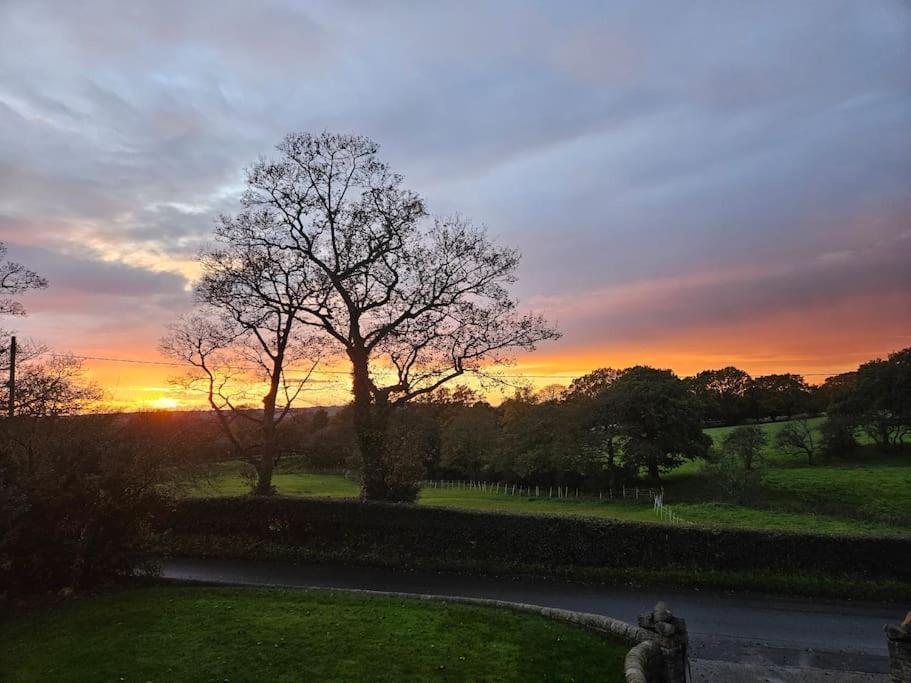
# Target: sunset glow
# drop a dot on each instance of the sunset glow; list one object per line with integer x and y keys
{"x": 164, "y": 403}
{"x": 751, "y": 213}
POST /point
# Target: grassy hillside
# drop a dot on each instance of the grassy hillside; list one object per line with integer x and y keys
{"x": 870, "y": 495}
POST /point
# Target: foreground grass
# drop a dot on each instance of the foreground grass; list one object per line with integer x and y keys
{"x": 255, "y": 634}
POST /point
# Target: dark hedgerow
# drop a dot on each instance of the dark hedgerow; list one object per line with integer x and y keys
{"x": 466, "y": 538}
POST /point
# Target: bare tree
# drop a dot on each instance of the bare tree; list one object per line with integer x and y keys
{"x": 50, "y": 386}
{"x": 798, "y": 438}
{"x": 15, "y": 279}
{"x": 246, "y": 335}
{"x": 412, "y": 302}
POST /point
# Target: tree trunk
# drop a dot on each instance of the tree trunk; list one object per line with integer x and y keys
{"x": 370, "y": 424}
{"x": 266, "y": 463}
{"x": 264, "y": 467}
{"x": 653, "y": 473}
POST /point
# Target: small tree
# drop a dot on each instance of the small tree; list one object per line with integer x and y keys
{"x": 733, "y": 480}
{"x": 229, "y": 362}
{"x": 745, "y": 444}
{"x": 798, "y": 438}
{"x": 245, "y": 336}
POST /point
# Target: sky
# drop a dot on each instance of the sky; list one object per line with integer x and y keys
{"x": 692, "y": 185}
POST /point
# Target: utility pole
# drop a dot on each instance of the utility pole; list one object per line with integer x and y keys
{"x": 12, "y": 377}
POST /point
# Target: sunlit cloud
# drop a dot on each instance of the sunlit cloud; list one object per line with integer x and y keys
{"x": 673, "y": 207}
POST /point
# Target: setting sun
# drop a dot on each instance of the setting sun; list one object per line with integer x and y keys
{"x": 164, "y": 403}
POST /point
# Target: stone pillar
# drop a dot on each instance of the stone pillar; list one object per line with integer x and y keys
{"x": 671, "y": 637}
{"x": 900, "y": 650}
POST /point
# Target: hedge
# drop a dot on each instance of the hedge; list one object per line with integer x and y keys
{"x": 349, "y": 528}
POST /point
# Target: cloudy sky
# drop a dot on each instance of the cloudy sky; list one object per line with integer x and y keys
{"x": 691, "y": 184}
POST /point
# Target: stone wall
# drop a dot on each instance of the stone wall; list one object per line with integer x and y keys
{"x": 670, "y": 638}
{"x": 644, "y": 663}
{"x": 659, "y": 652}
{"x": 900, "y": 650}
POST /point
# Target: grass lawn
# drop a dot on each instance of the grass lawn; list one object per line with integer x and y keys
{"x": 184, "y": 633}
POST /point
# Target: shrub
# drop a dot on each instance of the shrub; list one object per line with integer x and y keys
{"x": 733, "y": 480}
{"x": 351, "y": 530}
{"x": 76, "y": 495}
{"x": 838, "y": 438}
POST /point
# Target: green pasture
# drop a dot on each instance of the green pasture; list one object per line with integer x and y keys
{"x": 872, "y": 499}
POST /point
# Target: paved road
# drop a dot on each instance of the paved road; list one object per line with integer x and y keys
{"x": 821, "y": 634}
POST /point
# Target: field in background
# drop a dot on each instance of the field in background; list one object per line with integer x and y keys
{"x": 870, "y": 495}
{"x": 255, "y": 634}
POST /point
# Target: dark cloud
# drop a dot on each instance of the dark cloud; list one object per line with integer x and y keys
{"x": 615, "y": 144}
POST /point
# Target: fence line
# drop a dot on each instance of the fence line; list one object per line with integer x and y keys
{"x": 558, "y": 492}
{"x": 664, "y": 512}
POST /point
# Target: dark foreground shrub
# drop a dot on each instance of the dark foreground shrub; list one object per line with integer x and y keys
{"x": 349, "y": 530}
{"x": 76, "y": 495}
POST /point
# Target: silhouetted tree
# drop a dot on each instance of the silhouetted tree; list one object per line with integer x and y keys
{"x": 52, "y": 386}
{"x": 659, "y": 419}
{"x": 411, "y": 302}
{"x": 593, "y": 384}
{"x": 798, "y": 437}
{"x": 319, "y": 420}
{"x": 244, "y": 335}
{"x": 780, "y": 395}
{"x": 470, "y": 440}
{"x": 877, "y": 399}
{"x": 601, "y": 420}
{"x": 15, "y": 279}
{"x": 723, "y": 393}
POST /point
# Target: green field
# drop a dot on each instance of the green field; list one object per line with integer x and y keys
{"x": 255, "y": 634}
{"x": 870, "y": 495}
{"x": 226, "y": 480}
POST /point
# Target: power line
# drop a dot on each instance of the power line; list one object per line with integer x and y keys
{"x": 138, "y": 361}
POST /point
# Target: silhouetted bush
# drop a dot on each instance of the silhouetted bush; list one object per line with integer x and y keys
{"x": 352, "y": 530}
{"x": 76, "y": 496}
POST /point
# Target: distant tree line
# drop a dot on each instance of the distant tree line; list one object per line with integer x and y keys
{"x": 612, "y": 427}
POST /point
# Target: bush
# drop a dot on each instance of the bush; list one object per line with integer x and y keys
{"x": 838, "y": 438}
{"x": 353, "y": 530}
{"x": 733, "y": 480}
{"x": 76, "y": 496}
